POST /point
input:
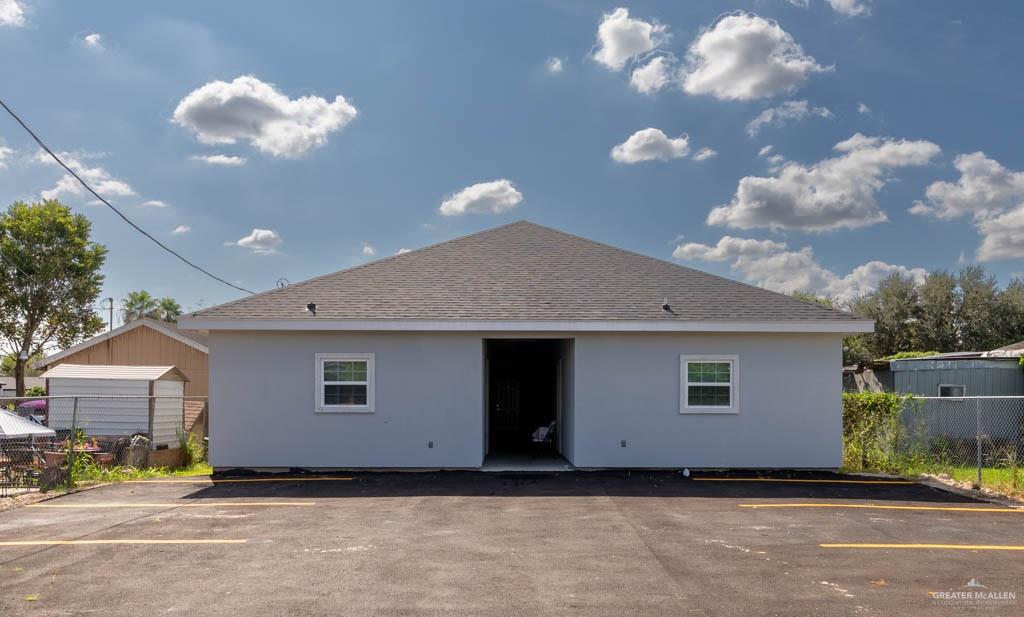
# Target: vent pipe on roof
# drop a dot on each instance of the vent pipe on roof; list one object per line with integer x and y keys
{"x": 311, "y": 308}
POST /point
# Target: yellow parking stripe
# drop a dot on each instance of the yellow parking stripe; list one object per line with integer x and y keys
{"x": 877, "y": 507}
{"x": 804, "y": 480}
{"x": 212, "y": 504}
{"x": 958, "y": 547}
{"x": 230, "y": 480}
{"x": 91, "y": 542}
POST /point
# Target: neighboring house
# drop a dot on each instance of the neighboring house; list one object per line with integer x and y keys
{"x": 148, "y": 342}
{"x": 8, "y": 387}
{"x": 442, "y": 356}
{"x": 962, "y": 373}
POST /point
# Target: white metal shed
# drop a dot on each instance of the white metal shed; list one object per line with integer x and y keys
{"x": 118, "y": 401}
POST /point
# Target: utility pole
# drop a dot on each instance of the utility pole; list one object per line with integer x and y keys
{"x": 110, "y": 323}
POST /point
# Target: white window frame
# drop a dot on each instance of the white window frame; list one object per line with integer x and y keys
{"x": 734, "y": 391}
{"x": 321, "y": 407}
{"x": 938, "y": 391}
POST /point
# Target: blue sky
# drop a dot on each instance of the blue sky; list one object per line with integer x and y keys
{"x": 893, "y": 128}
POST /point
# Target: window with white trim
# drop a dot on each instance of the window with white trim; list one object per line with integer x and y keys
{"x": 344, "y": 382}
{"x": 947, "y": 390}
{"x": 708, "y": 384}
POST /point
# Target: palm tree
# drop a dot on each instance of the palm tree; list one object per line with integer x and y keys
{"x": 169, "y": 309}
{"x": 139, "y": 304}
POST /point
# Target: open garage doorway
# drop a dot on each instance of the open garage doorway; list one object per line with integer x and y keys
{"x": 528, "y": 402}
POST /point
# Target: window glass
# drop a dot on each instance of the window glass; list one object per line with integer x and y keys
{"x": 709, "y": 396}
{"x": 335, "y": 394}
{"x": 344, "y": 370}
{"x": 709, "y": 383}
{"x": 952, "y": 391}
{"x": 345, "y": 382}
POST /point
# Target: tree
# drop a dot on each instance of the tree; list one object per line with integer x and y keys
{"x": 139, "y": 304}
{"x": 1010, "y": 312}
{"x": 854, "y": 349}
{"x": 169, "y": 309}
{"x": 976, "y": 315}
{"x": 51, "y": 279}
{"x": 939, "y": 301}
{"x": 895, "y": 307}
{"x": 7, "y": 365}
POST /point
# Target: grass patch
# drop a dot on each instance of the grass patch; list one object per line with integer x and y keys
{"x": 90, "y": 473}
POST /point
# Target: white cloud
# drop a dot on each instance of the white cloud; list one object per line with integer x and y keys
{"x": 985, "y": 188}
{"x": 835, "y": 193}
{"x": 651, "y": 145}
{"x": 772, "y": 265}
{"x": 554, "y": 65}
{"x": 262, "y": 241}
{"x": 652, "y": 76}
{"x": 181, "y": 229}
{"x": 154, "y": 203}
{"x": 5, "y": 152}
{"x": 863, "y": 109}
{"x": 988, "y": 192}
{"x": 11, "y": 14}
{"x": 727, "y": 249}
{"x": 765, "y": 151}
{"x": 368, "y": 249}
{"x": 1002, "y": 236}
{"x": 743, "y": 57}
{"x": 621, "y": 38}
{"x": 94, "y": 40}
{"x": 704, "y": 154}
{"x": 850, "y": 8}
{"x": 251, "y": 110}
{"x": 223, "y": 160}
{"x": 403, "y": 250}
{"x": 780, "y": 115}
{"x": 483, "y": 198}
{"x": 98, "y": 178}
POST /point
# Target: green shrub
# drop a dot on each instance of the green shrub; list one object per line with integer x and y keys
{"x": 192, "y": 450}
{"x": 871, "y": 430}
{"x": 909, "y": 355}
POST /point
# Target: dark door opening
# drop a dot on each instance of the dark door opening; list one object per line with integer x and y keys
{"x": 523, "y": 389}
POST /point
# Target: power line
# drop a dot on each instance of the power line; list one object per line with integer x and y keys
{"x": 109, "y": 205}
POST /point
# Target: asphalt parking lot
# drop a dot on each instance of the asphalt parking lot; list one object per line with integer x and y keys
{"x": 513, "y": 544}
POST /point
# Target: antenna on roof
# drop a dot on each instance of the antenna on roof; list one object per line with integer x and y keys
{"x": 282, "y": 283}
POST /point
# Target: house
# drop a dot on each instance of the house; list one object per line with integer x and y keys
{"x": 962, "y": 373}
{"x": 149, "y": 342}
{"x": 9, "y": 388}
{"x": 454, "y": 354}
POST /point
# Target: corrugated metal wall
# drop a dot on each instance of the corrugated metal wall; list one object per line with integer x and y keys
{"x": 982, "y": 377}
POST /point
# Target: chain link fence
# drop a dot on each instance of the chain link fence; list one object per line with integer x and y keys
{"x": 977, "y": 440}
{"x": 44, "y": 441}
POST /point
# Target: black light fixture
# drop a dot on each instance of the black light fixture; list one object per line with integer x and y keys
{"x": 311, "y": 308}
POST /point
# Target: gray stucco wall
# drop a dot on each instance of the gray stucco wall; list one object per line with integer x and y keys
{"x": 429, "y": 387}
{"x": 627, "y": 388}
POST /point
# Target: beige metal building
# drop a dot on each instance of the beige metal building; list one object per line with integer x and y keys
{"x": 148, "y": 342}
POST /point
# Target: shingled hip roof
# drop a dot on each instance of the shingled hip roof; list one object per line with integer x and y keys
{"x": 522, "y": 273}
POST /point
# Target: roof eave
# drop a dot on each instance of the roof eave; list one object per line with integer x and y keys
{"x": 838, "y": 326}
{"x": 122, "y": 329}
